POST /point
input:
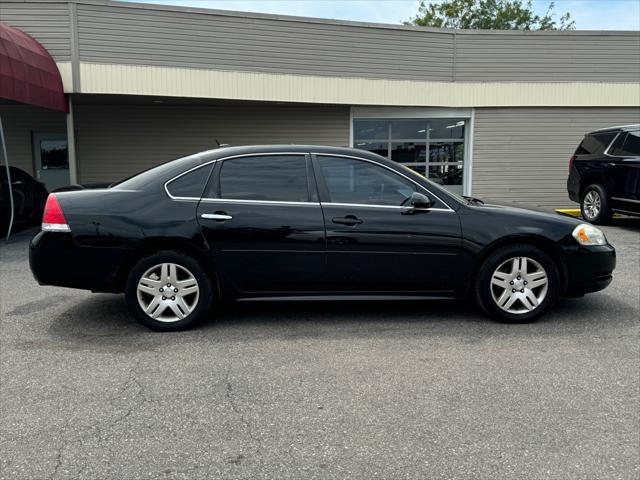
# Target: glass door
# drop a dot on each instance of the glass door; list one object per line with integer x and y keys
{"x": 51, "y": 159}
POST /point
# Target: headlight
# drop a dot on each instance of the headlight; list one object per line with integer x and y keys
{"x": 587, "y": 234}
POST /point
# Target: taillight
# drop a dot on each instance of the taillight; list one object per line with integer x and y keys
{"x": 573, "y": 157}
{"x": 53, "y": 219}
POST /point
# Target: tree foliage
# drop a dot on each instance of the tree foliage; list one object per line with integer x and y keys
{"x": 488, "y": 15}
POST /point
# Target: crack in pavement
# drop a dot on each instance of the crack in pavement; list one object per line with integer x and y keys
{"x": 229, "y": 395}
{"x": 98, "y": 429}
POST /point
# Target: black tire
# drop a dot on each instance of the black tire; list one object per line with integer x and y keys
{"x": 604, "y": 213}
{"x": 201, "y": 302}
{"x": 484, "y": 289}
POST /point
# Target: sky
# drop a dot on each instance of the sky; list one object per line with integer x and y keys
{"x": 588, "y": 14}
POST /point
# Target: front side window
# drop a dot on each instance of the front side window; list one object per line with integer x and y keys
{"x": 359, "y": 182}
{"x": 627, "y": 145}
{"x": 433, "y": 147}
{"x": 281, "y": 178}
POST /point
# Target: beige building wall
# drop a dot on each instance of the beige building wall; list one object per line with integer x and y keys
{"x": 521, "y": 155}
{"x": 115, "y": 141}
{"x": 20, "y": 123}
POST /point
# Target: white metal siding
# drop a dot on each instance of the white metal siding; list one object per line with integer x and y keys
{"x": 554, "y": 57}
{"x": 160, "y": 35}
{"x": 47, "y": 22}
{"x": 116, "y": 141}
{"x": 521, "y": 155}
{"x": 110, "y": 34}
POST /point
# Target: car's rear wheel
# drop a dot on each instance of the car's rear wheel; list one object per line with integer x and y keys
{"x": 594, "y": 205}
{"x": 168, "y": 291}
{"x": 517, "y": 284}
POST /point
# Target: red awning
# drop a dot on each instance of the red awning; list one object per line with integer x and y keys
{"x": 28, "y": 74}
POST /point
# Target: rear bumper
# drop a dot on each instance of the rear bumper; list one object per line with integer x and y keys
{"x": 588, "y": 269}
{"x": 56, "y": 259}
{"x": 573, "y": 187}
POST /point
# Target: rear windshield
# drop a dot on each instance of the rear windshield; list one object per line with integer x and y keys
{"x": 143, "y": 178}
{"x": 595, "y": 143}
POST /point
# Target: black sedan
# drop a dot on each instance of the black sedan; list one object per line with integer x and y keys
{"x": 306, "y": 222}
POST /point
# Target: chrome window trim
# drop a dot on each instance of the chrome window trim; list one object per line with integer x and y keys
{"x": 191, "y": 199}
{"x": 277, "y": 202}
{"x": 256, "y": 202}
{"x": 391, "y": 170}
{"x": 372, "y": 205}
{"x": 606, "y": 150}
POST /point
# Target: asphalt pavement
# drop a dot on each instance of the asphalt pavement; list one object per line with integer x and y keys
{"x": 368, "y": 390}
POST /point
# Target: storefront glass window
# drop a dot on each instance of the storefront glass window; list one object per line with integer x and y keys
{"x": 432, "y": 147}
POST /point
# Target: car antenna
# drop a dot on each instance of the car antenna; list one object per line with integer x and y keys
{"x": 221, "y": 145}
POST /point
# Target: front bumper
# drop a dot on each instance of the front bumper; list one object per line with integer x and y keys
{"x": 587, "y": 268}
{"x": 56, "y": 259}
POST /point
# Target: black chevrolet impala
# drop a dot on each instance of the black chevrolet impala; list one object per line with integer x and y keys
{"x": 307, "y": 222}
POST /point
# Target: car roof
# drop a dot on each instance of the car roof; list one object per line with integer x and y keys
{"x": 623, "y": 128}
{"x": 285, "y": 148}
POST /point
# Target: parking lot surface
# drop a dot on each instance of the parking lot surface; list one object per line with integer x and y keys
{"x": 319, "y": 390}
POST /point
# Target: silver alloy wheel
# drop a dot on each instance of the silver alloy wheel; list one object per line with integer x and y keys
{"x": 168, "y": 292}
{"x": 592, "y": 203}
{"x": 519, "y": 285}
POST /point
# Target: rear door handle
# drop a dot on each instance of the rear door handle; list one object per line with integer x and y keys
{"x": 348, "y": 220}
{"x": 219, "y": 216}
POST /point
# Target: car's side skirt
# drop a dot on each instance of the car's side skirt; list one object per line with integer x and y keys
{"x": 346, "y": 297}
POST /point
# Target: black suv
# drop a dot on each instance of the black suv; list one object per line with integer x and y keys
{"x": 604, "y": 173}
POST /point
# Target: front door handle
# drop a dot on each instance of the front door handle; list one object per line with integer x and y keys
{"x": 219, "y": 216}
{"x": 348, "y": 220}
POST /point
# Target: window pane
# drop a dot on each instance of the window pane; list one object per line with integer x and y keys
{"x": 446, "y": 152}
{"x": 53, "y": 154}
{"x": 190, "y": 184}
{"x": 446, "y": 174}
{"x": 408, "y": 152}
{"x": 409, "y": 129}
{"x": 595, "y": 144}
{"x": 370, "y": 129}
{"x": 449, "y": 128}
{"x": 271, "y": 177}
{"x": 355, "y": 181}
{"x": 375, "y": 147}
{"x": 627, "y": 145}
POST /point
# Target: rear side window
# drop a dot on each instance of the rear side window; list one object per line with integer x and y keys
{"x": 190, "y": 185}
{"x": 627, "y": 145}
{"x": 280, "y": 178}
{"x": 595, "y": 143}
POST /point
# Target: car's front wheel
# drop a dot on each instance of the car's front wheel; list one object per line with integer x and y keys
{"x": 594, "y": 205}
{"x": 168, "y": 291}
{"x": 517, "y": 284}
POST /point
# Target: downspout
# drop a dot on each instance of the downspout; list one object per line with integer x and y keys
{"x": 6, "y": 164}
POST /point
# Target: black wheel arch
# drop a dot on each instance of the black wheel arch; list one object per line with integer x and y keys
{"x": 545, "y": 244}
{"x": 153, "y": 245}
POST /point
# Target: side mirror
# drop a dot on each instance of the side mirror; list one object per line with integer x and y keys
{"x": 418, "y": 201}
